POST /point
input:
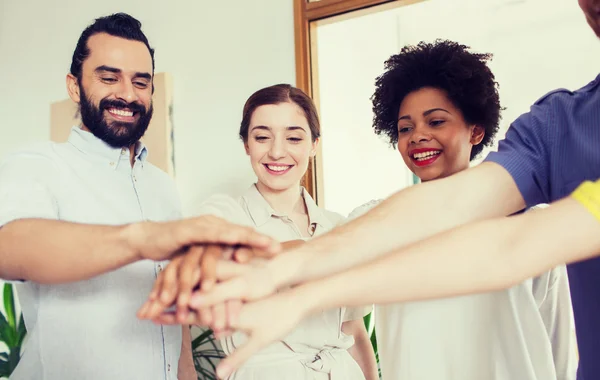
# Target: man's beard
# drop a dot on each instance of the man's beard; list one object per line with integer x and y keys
{"x": 117, "y": 134}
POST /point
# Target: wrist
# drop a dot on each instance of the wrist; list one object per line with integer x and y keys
{"x": 306, "y": 298}
{"x": 287, "y": 268}
{"x": 130, "y": 237}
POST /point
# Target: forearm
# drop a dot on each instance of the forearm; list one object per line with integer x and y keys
{"x": 362, "y": 351}
{"x": 486, "y": 256}
{"x": 50, "y": 251}
{"x": 413, "y": 214}
{"x": 186, "y": 368}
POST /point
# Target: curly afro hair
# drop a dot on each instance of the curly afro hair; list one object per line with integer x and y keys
{"x": 464, "y": 77}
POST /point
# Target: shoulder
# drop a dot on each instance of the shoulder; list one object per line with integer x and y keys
{"x": 334, "y": 217}
{"x": 562, "y": 98}
{"x": 364, "y": 208}
{"x": 36, "y": 159}
{"x": 226, "y": 207}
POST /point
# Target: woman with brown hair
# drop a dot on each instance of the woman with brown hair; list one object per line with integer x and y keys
{"x": 280, "y": 130}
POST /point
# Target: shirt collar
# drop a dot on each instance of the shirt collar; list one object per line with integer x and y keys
{"x": 261, "y": 211}
{"x": 89, "y": 144}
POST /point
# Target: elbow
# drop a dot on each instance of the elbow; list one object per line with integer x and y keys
{"x": 22, "y": 275}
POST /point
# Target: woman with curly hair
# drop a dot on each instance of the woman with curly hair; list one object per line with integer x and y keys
{"x": 438, "y": 103}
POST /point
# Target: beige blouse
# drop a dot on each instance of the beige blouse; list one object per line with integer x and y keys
{"x": 317, "y": 348}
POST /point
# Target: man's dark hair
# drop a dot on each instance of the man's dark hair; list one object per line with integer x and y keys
{"x": 118, "y": 25}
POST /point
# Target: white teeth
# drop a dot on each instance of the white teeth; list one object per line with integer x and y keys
{"x": 119, "y": 112}
{"x": 277, "y": 168}
{"x": 425, "y": 155}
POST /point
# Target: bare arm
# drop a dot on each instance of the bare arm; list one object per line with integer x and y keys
{"x": 453, "y": 263}
{"x": 448, "y": 264}
{"x": 186, "y": 368}
{"x": 50, "y": 252}
{"x": 362, "y": 350}
{"x": 410, "y": 215}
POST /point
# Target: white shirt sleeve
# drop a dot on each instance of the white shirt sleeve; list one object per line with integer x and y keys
{"x": 225, "y": 207}
{"x": 557, "y": 315}
{"x": 363, "y": 209}
{"x": 351, "y": 314}
{"x": 26, "y": 182}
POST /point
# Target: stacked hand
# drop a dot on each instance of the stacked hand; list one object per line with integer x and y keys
{"x": 223, "y": 287}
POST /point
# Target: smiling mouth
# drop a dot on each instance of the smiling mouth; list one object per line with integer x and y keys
{"x": 123, "y": 114}
{"x": 277, "y": 169}
{"x": 424, "y": 156}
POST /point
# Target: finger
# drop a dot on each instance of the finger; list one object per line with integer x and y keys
{"x": 233, "y": 289}
{"x": 215, "y": 230}
{"x": 223, "y": 333}
{"x": 166, "y": 289}
{"x": 209, "y": 266}
{"x": 228, "y": 252}
{"x": 170, "y": 318}
{"x": 143, "y": 310}
{"x": 238, "y": 357}
{"x": 205, "y": 314}
{"x": 157, "y": 286}
{"x": 233, "y": 310}
{"x": 219, "y": 315}
{"x": 253, "y": 253}
{"x": 166, "y": 318}
{"x": 230, "y": 269}
{"x": 188, "y": 279}
{"x": 243, "y": 254}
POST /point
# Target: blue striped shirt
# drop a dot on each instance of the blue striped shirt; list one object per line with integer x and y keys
{"x": 549, "y": 151}
{"x": 89, "y": 329}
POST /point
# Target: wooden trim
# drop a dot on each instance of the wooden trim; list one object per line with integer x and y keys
{"x": 317, "y": 162}
{"x": 301, "y": 38}
{"x": 303, "y": 78}
{"x": 327, "y": 8}
{"x": 305, "y": 40}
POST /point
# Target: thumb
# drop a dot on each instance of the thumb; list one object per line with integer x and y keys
{"x": 234, "y": 361}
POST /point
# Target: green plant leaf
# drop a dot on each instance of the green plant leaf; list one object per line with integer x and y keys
{"x": 202, "y": 338}
{"x": 21, "y": 331}
{"x": 5, "y": 370}
{"x": 205, "y": 358}
{"x": 7, "y": 333}
{"x": 9, "y": 305}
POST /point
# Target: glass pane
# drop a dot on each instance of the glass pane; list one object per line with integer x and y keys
{"x": 533, "y": 44}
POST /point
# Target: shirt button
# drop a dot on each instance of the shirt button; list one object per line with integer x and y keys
{"x": 160, "y": 268}
{"x": 169, "y": 367}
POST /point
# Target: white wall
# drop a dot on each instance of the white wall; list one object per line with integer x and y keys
{"x": 218, "y": 52}
{"x": 358, "y": 166}
{"x": 538, "y": 46}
